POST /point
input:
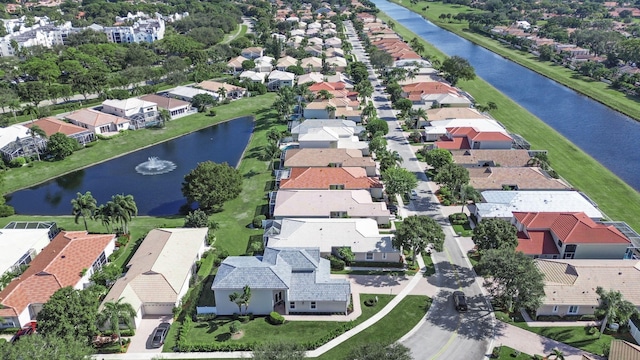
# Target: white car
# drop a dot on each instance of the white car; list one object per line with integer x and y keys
{"x": 413, "y": 195}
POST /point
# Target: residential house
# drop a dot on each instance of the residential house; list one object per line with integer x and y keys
{"x": 98, "y": 122}
{"x": 235, "y": 65}
{"x": 252, "y": 76}
{"x": 620, "y": 349}
{"x": 252, "y": 52}
{"x": 314, "y": 50}
{"x": 436, "y": 129}
{"x": 332, "y": 42}
{"x": 330, "y": 235}
{"x": 334, "y": 52}
{"x": 231, "y": 91}
{"x": 264, "y": 64}
{"x": 22, "y": 241}
{"x": 279, "y": 37}
{"x": 176, "y": 108}
{"x": 311, "y": 64}
{"x": 321, "y": 158}
{"x": 434, "y": 93}
{"x": 337, "y": 63}
{"x": 52, "y": 126}
{"x": 141, "y": 113}
{"x": 68, "y": 260}
{"x": 314, "y": 77}
{"x": 328, "y": 204}
{"x": 159, "y": 272}
{"x": 286, "y": 280}
{"x": 278, "y": 79}
{"x": 336, "y": 89}
{"x": 16, "y": 141}
{"x": 470, "y": 158}
{"x": 570, "y": 285}
{"x": 315, "y": 41}
{"x": 502, "y": 204}
{"x": 568, "y": 236}
{"x": 471, "y": 138}
{"x": 340, "y": 77}
{"x": 525, "y": 178}
{"x": 286, "y": 61}
{"x": 330, "y": 178}
{"x": 295, "y": 41}
{"x": 297, "y": 32}
{"x": 346, "y": 127}
{"x": 453, "y": 113}
{"x": 333, "y": 108}
{"x": 187, "y": 93}
{"x": 332, "y": 138}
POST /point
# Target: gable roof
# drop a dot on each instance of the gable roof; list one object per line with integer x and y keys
{"x": 52, "y": 126}
{"x": 236, "y": 62}
{"x": 477, "y": 157}
{"x": 357, "y": 203}
{"x": 323, "y": 157}
{"x": 58, "y": 265}
{"x": 323, "y": 178}
{"x": 572, "y": 228}
{"x": 158, "y": 269}
{"x": 164, "y": 102}
{"x": 95, "y": 118}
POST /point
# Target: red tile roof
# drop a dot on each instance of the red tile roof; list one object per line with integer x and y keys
{"x": 52, "y": 126}
{"x": 58, "y": 265}
{"x": 430, "y": 87}
{"x": 476, "y": 135}
{"x": 353, "y": 178}
{"x": 537, "y": 243}
{"x": 456, "y": 143}
{"x": 329, "y": 86}
{"x": 572, "y": 228}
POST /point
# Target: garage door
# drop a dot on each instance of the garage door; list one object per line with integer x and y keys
{"x": 158, "y": 309}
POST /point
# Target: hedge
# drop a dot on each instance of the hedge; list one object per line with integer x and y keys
{"x": 276, "y": 319}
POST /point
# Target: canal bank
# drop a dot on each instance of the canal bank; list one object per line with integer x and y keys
{"x": 596, "y": 90}
{"x": 616, "y": 198}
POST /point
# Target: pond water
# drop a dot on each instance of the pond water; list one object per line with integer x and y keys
{"x": 155, "y": 195}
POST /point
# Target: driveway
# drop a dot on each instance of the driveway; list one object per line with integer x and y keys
{"x": 141, "y": 342}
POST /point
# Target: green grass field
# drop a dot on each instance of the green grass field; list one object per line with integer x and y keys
{"x": 596, "y": 90}
{"x": 617, "y": 199}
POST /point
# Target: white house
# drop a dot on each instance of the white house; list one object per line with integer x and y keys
{"x": 141, "y": 113}
{"x": 252, "y": 76}
{"x": 97, "y": 121}
{"x": 264, "y": 64}
{"x": 279, "y": 79}
{"x": 288, "y": 281}
{"x": 21, "y": 244}
{"x": 187, "y": 93}
{"x": 176, "y": 108}
{"x": 159, "y": 272}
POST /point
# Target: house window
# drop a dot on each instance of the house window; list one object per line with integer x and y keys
{"x": 313, "y": 304}
{"x": 97, "y": 265}
{"x": 573, "y": 309}
{"x": 369, "y": 256}
{"x": 336, "y": 187}
{"x": 384, "y": 256}
{"x": 560, "y": 243}
{"x": 292, "y": 305}
{"x": 338, "y": 214}
{"x": 555, "y": 309}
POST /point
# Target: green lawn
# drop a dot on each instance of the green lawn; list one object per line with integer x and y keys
{"x": 429, "y": 267}
{"x": 103, "y": 150}
{"x": 388, "y": 330}
{"x": 595, "y": 89}
{"x": 617, "y": 199}
{"x": 507, "y": 353}
{"x": 463, "y": 230}
{"x": 260, "y": 330}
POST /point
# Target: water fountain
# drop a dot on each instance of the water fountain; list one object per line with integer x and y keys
{"x": 155, "y": 166}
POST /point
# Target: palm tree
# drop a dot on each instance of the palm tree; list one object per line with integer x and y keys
{"x": 31, "y": 110}
{"x": 369, "y": 111}
{"x": 237, "y": 299}
{"x": 164, "y": 116}
{"x": 114, "y": 312}
{"x": 123, "y": 208}
{"x": 103, "y": 213}
{"x": 84, "y": 206}
{"x": 418, "y": 114}
{"x": 14, "y": 106}
{"x": 222, "y": 92}
{"x": 364, "y": 89}
{"x": 36, "y": 132}
{"x": 389, "y": 159}
{"x": 325, "y": 94}
{"x": 331, "y": 111}
{"x": 557, "y": 355}
{"x": 246, "y": 297}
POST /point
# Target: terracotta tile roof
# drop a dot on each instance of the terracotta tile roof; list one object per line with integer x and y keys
{"x": 317, "y": 178}
{"x": 329, "y": 86}
{"x": 163, "y": 102}
{"x": 324, "y": 157}
{"x": 453, "y": 113}
{"x": 95, "y": 118}
{"x": 52, "y": 126}
{"x": 507, "y": 158}
{"x": 572, "y": 228}
{"x": 524, "y": 178}
{"x": 455, "y": 143}
{"x": 537, "y": 243}
{"x": 58, "y": 265}
{"x": 430, "y": 87}
{"x": 476, "y": 135}
{"x": 214, "y": 86}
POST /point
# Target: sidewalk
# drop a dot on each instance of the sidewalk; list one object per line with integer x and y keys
{"x": 533, "y": 344}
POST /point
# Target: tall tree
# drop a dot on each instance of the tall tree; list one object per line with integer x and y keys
{"x": 211, "y": 184}
{"x": 164, "y": 115}
{"x": 122, "y": 209}
{"x": 613, "y": 307}
{"x": 246, "y": 297}
{"x": 495, "y": 234}
{"x": 37, "y": 133}
{"x": 69, "y": 313}
{"x": 116, "y": 312}
{"x": 389, "y": 159}
{"x": 514, "y": 280}
{"x": 438, "y": 158}
{"x": 452, "y": 176}
{"x": 38, "y": 346}
{"x": 417, "y": 232}
{"x": 398, "y": 180}
{"x": 84, "y": 205}
{"x": 456, "y": 68}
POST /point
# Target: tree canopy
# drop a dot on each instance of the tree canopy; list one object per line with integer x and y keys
{"x": 69, "y": 313}
{"x": 613, "y": 307}
{"x": 416, "y": 232}
{"x": 60, "y": 146}
{"x": 513, "y": 279}
{"x": 211, "y": 184}
{"x": 495, "y": 234}
{"x": 456, "y": 68}
{"x": 452, "y": 176}
{"x": 377, "y": 126}
{"x": 398, "y": 180}
{"x": 38, "y": 346}
{"x": 438, "y": 158}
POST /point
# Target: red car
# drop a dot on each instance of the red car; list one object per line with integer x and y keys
{"x": 28, "y": 329}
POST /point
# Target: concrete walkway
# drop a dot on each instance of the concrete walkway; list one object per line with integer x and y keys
{"x": 533, "y": 344}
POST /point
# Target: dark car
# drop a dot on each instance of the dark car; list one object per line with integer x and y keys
{"x": 392, "y": 208}
{"x": 460, "y": 300}
{"x": 28, "y": 329}
{"x": 160, "y": 334}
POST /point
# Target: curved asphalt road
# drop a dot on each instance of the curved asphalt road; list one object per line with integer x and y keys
{"x": 445, "y": 333}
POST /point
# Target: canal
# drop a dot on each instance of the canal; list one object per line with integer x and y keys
{"x": 156, "y": 195}
{"x": 607, "y": 135}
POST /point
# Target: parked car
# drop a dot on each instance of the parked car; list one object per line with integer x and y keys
{"x": 393, "y": 208}
{"x": 460, "y": 301}
{"x": 28, "y": 329}
{"x": 160, "y": 334}
{"x": 413, "y": 195}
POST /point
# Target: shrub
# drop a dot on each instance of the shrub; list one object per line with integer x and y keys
{"x": 588, "y": 317}
{"x": 275, "y": 318}
{"x": 211, "y": 112}
{"x": 234, "y": 327}
{"x": 336, "y": 263}
{"x": 18, "y": 162}
{"x": 370, "y": 302}
{"x": 257, "y": 221}
{"x": 223, "y": 254}
{"x": 6, "y": 210}
{"x": 244, "y": 318}
{"x": 593, "y": 330}
{"x": 446, "y": 202}
{"x": 458, "y": 218}
{"x": 205, "y": 317}
{"x": 415, "y": 137}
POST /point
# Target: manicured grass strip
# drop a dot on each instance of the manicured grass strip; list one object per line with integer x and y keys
{"x": 429, "y": 267}
{"x": 596, "y": 90}
{"x": 507, "y": 353}
{"x": 102, "y": 150}
{"x": 388, "y": 330}
{"x": 463, "y": 230}
{"x": 617, "y": 199}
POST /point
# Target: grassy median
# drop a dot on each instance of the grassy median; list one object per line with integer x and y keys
{"x": 617, "y": 199}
